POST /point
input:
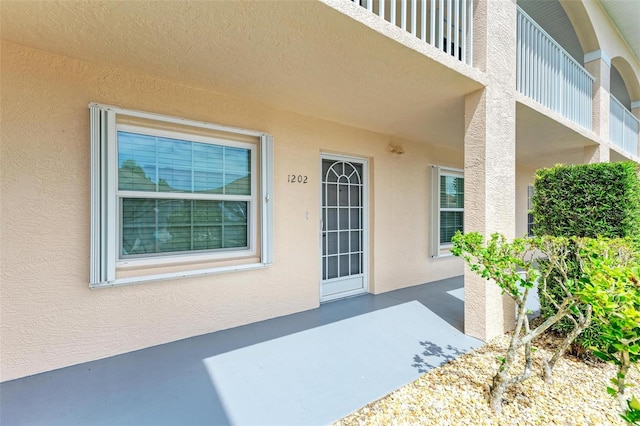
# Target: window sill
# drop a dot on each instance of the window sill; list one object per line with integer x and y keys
{"x": 185, "y": 259}
{"x": 443, "y": 255}
{"x": 177, "y": 275}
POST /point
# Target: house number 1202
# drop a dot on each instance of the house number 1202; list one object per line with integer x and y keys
{"x": 297, "y": 179}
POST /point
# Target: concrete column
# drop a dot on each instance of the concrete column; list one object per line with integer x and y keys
{"x": 635, "y": 110}
{"x": 489, "y": 157}
{"x": 598, "y": 64}
{"x": 597, "y": 153}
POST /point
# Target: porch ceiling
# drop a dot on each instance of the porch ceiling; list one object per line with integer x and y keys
{"x": 300, "y": 56}
{"x": 544, "y": 138}
{"x": 625, "y": 15}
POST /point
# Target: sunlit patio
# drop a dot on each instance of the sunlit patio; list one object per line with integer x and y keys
{"x": 308, "y": 368}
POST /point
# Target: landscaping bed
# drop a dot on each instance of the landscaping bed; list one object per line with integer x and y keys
{"x": 456, "y": 394}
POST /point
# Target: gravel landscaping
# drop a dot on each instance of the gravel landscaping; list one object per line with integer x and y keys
{"x": 455, "y": 394}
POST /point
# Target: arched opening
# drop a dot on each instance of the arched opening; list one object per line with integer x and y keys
{"x": 581, "y": 24}
{"x": 624, "y": 89}
{"x": 619, "y": 89}
{"x": 624, "y": 84}
{"x": 551, "y": 16}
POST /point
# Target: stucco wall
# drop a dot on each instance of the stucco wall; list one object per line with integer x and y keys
{"x": 50, "y": 318}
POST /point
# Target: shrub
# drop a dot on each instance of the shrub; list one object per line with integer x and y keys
{"x": 613, "y": 291}
{"x": 589, "y": 200}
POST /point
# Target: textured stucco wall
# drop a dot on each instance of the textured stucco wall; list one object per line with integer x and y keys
{"x": 601, "y": 72}
{"x": 50, "y": 318}
{"x": 490, "y": 171}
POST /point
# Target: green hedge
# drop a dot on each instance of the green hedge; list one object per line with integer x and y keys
{"x": 588, "y": 200}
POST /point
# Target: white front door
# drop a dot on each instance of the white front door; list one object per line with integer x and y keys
{"x": 344, "y": 227}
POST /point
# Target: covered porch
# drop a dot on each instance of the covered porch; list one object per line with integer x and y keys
{"x": 312, "y": 367}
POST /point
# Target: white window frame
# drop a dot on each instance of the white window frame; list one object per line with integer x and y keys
{"x": 438, "y": 249}
{"x": 105, "y": 195}
{"x": 530, "y": 210}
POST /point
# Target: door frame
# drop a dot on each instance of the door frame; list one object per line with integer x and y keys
{"x": 365, "y": 225}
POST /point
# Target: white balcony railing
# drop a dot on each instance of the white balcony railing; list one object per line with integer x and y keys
{"x": 547, "y": 74}
{"x": 623, "y": 127}
{"x": 445, "y": 24}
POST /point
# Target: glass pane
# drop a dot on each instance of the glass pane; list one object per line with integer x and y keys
{"x": 332, "y": 267}
{"x": 151, "y": 163}
{"x": 136, "y": 162}
{"x": 355, "y": 264}
{"x": 344, "y": 265}
{"x": 139, "y": 227}
{"x": 332, "y": 198}
{"x": 176, "y": 238}
{"x": 344, "y": 242}
{"x": 355, "y": 195}
{"x": 356, "y": 178}
{"x": 331, "y": 223}
{"x": 207, "y": 213}
{"x": 237, "y": 165}
{"x": 174, "y": 165}
{"x": 343, "y": 194}
{"x": 207, "y": 237}
{"x": 348, "y": 170}
{"x": 234, "y": 236}
{"x": 152, "y": 226}
{"x": 450, "y": 222}
{"x": 355, "y": 240}
{"x": 208, "y": 182}
{"x": 343, "y": 218}
{"x": 332, "y": 243}
{"x": 355, "y": 218}
{"x": 451, "y": 192}
{"x": 330, "y": 176}
{"x": 207, "y": 156}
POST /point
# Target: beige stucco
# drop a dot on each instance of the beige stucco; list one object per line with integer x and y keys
{"x": 50, "y": 318}
{"x": 601, "y": 71}
{"x": 351, "y": 68}
{"x": 490, "y": 161}
{"x": 321, "y": 77}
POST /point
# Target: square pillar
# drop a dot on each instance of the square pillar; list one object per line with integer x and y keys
{"x": 597, "y": 153}
{"x": 635, "y": 110}
{"x": 489, "y": 160}
{"x": 598, "y": 64}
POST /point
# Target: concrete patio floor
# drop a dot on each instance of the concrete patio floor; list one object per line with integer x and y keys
{"x": 310, "y": 368}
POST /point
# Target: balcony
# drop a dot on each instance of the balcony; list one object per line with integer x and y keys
{"x": 445, "y": 24}
{"x": 547, "y": 73}
{"x": 623, "y": 127}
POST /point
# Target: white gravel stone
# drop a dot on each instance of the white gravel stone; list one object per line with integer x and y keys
{"x": 456, "y": 394}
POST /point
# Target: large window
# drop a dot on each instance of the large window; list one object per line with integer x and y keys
{"x": 168, "y": 192}
{"x": 447, "y": 208}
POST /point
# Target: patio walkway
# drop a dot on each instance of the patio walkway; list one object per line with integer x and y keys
{"x": 303, "y": 369}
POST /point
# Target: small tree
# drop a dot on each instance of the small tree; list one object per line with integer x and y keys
{"x": 511, "y": 266}
{"x": 605, "y": 269}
